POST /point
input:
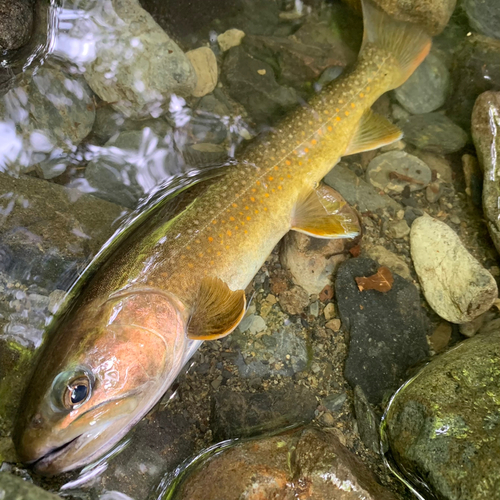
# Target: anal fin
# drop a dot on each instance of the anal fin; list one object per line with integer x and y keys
{"x": 373, "y": 132}
{"x": 323, "y": 213}
{"x": 217, "y": 310}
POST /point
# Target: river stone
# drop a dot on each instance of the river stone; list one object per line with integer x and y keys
{"x": 427, "y": 88}
{"x": 387, "y": 330}
{"x": 485, "y": 126}
{"x": 454, "y": 283}
{"x": 484, "y": 16}
{"x": 16, "y": 23}
{"x": 383, "y": 170}
{"x": 230, "y": 38}
{"x": 205, "y": 67}
{"x": 135, "y": 66}
{"x": 50, "y": 113}
{"x": 281, "y": 467}
{"x": 389, "y": 259}
{"x": 443, "y": 426}
{"x": 16, "y": 488}
{"x": 434, "y": 132}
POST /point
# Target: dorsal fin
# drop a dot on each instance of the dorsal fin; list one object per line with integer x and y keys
{"x": 216, "y": 311}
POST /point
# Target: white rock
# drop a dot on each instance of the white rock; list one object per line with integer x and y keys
{"x": 230, "y": 38}
{"x": 205, "y": 67}
{"x": 454, "y": 283}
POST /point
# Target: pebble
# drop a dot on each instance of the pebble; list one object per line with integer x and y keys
{"x": 443, "y": 425}
{"x": 294, "y": 300}
{"x": 205, "y": 66}
{"x": 441, "y": 336}
{"x": 387, "y": 330}
{"x": 314, "y": 309}
{"x": 389, "y": 259}
{"x": 484, "y": 16}
{"x": 334, "y": 402}
{"x": 397, "y": 229}
{"x": 334, "y": 325}
{"x": 454, "y": 283}
{"x": 434, "y": 132}
{"x": 16, "y": 23}
{"x": 427, "y": 88}
{"x": 329, "y": 311}
{"x": 393, "y": 171}
{"x": 439, "y": 165}
{"x": 230, "y": 38}
{"x": 433, "y": 192}
{"x": 253, "y": 323}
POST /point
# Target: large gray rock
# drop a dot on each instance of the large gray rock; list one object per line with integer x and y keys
{"x": 15, "y": 488}
{"x": 484, "y": 16}
{"x": 454, "y": 283}
{"x": 485, "y": 132}
{"x": 443, "y": 426}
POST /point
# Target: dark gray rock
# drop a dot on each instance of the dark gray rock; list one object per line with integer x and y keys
{"x": 245, "y": 414}
{"x": 427, "y": 89}
{"x": 484, "y": 16}
{"x": 387, "y": 330}
{"x": 15, "y": 488}
{"x": 443, "y": 426}
{"x": 16, "y": 23}
{"x": 434, "y": 132}
{"x": 367, "y": 421}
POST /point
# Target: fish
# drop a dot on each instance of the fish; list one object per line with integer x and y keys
{"x": 175, "y": 282}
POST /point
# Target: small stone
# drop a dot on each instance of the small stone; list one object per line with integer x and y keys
{"x": 329, "y": 311}
{"x": 205, "y": 66}
{"x": 455, "y": 219}
{"x": 389, "y": 259}
{"x": 230, "y": 38}
{"x": 484, "y": 16}
{"x": 433, "y": 192}
{"x": 314, "y": 309}
{"x": 440, "y": 336}
{"x": 367, "y": 421}
{"x": 252, "y": 323}
{"x": 13, "y": 487}
{"x": 327, "y": 419}
{"x": 217, "y": 382}
{"x": 16, "y": 23}
{"x": 427, "y": 88}
{"x": 434, "y": 132}
{"x": 470, "y": 329}
{"x": 393, "y": 171}
{"x": 454, "y": 283}
{"x": 439, "y": 165}
{"x": 334, "y": 325}
{"x": 397, "y": 229}
{"x": 334, "y": 402}
{"x": 294, "y": 301}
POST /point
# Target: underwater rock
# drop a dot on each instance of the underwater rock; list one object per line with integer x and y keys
{"x": 434, "y": 132}
{"x": 484, "y": 16}
{"x": 397, "y": 229}
{"x": 311, "y": 261}
{"x": 454, "y": 283}
{"x": 387, "y": 329}
{"x": 427, "y": 88}
{"x": 16, "y": 488}
{"x": 393, "y": 171}
{"x": 432, "y": 14}
{"x": 485, "y": 132}
{"x": 440, "y": 166}
{"x": 367, "y": 421}
{"x": 16, "y": 23}
{"x": 246, "y": 414}
{"x": 443, "y": 427}
{"x": 205, "y": 67}
{"x": 51, "y": 229}
{"x": 389, "y": 259}
{"x": 59, "y": 115}
{"x": 475, "y": 69}
{"x": 358, "y": 192}
{"x": 230, "y": 38}
{"x": 306, "y": 463}
{"x": 294, "y": 300}
{"x": 252, "y": 83}
{"x": 136, "y": 66}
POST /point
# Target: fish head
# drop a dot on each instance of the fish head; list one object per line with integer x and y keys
{"x": 98, "y": 376}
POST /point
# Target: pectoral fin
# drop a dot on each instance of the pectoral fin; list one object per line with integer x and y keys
{"x": 217, "y": 310}
{"x": 323, "y": 213}
{"x": 374, "y": 131}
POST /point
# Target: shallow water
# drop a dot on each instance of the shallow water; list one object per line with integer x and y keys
{"x": 85, "y": 169}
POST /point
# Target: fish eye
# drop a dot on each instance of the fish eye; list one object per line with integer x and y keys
{"x": 76, "y": 392}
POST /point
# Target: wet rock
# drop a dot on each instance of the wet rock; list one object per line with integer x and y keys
{"x": 59, "y": 116}
{"x": 393, "y": 171}
{"x": 440, "y": 166}
{"x": 245, "y": 414}
{"x": 432, "y": 14}
{"x": 334, "y": 402}
{"x": 287, "y": 466}
{"x": 476, "y": 69}
{"x": 434, "y": 132}
{"x": 454, "y": 283}
{"x": 358, "y": 192}
{"x": 485, "y": 123}
{"x": 389, "y": 259}
{"x": 387, "y": 330}
{"x": 443, "y": 426}
{"x": 294, "y": 300}
{"x": 440, "y": 336}
{"x": 252, "y": 83}
{"x": 136, "y": 66}
{"x": 50, "y": 229}
{"x": 367, "y": 421}
{"x": 205, "y": 67}
{"x": 15, "y": 488}
{"x": 16, "y": 23}
{"x": 484, "y": 16}
{"x": 312, "y": 261}
{"x": 473, "y": 179}
{"x": 230, "y": 38}
{"x": 397, "y": 229}
{"x": 427, "y": 89}
{"x": 334, "y": 325}
{"x": 252, "y": 323}
{"x": 433, "y": 192}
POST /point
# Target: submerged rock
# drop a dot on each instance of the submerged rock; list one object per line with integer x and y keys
{"x": 16, "y": 23}
{"x": 443, "y": 427}
{"x": 454, "y": 283}
{"x": 387, "y": 329}
{"x": 205, "y": 67}
{"x": 484, "y": 16}
{"x": 486, "y": 135}
{"x": 15, "y": 488}
{"x": 299, "y": 464}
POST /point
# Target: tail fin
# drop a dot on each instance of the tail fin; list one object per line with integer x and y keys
{"x": 408, "y": 43}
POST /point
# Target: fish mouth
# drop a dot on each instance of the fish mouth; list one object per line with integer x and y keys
{"x": 43, "y": 463}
